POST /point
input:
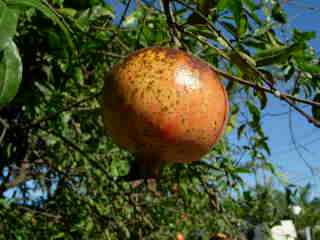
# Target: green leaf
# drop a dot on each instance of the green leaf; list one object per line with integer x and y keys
{"x": 10, "y": 73}
{"x": 241, "y": 170}
{"x": 315, "y": 109}
{"x": 133, "y": 18}
{"x": 241, "y": 130}
{"x": 273, "y": 39}
{"x": 299, "y": 36}
{"x": 278, "y": 14}
{"x": 308, "y": 67}
{"x": 250, "y": 4}
{"x": 230, "y": 28}
{"x": 100, "y": 11}
{"x": 289, "y": 71}
{"x": 255, "y": 112}
{"x": 232, "y": 119}
{"x": 262, "y": 142}
{"x": 276, "y": 55}
{"x": 243, "y": 25}
{"x": 254, "y": 42}
{"x": 49, "y": 12}
{"x": 8, "y": 24}
{"x": 270, "y": 167}
{"x": 68, "y": 12}
{"x": 244, "y": 62}
{"x": 78, "y": 75}
{"x": 262, "y": 98}
{"x": 60, "y": 235}
{"x": 235, "y": 6}
{"x": 119, "y": 167}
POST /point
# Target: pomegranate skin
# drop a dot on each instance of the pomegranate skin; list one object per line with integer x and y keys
{"x": 165, "y": 105}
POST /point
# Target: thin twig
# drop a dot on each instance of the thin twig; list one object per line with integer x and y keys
{"x": 124, "y": 14}
{"x": 173, "y": 31}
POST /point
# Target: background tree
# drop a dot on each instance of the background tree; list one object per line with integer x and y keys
{"x": 60, "y": 176}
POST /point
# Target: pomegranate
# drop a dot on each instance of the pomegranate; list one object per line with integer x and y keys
{"x": 180, "y": 236}
{"x": 165, "y": 106}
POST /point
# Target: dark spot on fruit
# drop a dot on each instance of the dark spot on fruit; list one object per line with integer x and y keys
{"x": 164, "y": 109}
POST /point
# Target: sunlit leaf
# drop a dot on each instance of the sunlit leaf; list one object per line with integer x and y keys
{"x": 300, "y": 36}
{"x": 10, "y": 73}
{"x": 234, "y": 6}
{"x": 243, "y": 25}
{"x": 308, "y": 67}
{"x": 8, "y": 24}
{"x": 133, "y": 18}
{"x": 276, "y": 55}
{"x": 251, "y": 4}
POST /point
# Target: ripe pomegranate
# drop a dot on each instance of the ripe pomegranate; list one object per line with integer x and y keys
{"x": 165, "y": 106}
{"x": 180, "y": 236}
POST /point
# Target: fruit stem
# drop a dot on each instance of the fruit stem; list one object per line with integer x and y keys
{"x": 144, "y": 168}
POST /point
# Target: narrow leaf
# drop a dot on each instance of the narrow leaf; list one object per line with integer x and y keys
{"x": 255, "y": 112}
{"x": 241, "y": 130}
{"x": 276, "y": 55}
{"x": 308, "y": 67}
{"x": 244, "y": 62}
{"x": 303, "y": 36}
{"x": 235, "y": 6}
{"x": 250, "y": 4}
